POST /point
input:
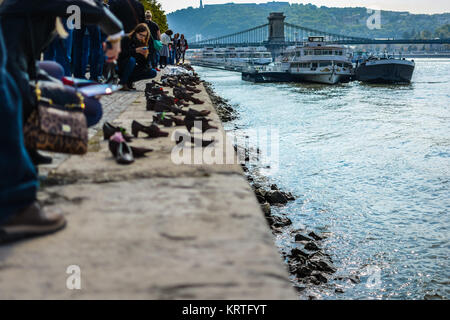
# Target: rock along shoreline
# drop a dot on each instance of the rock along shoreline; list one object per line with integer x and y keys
{"x": 309, "y": 266}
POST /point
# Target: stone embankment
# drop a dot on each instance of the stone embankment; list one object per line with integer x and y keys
{"x": 151, "y": 230}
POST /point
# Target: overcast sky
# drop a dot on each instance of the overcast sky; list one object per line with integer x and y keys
{"x": 413, "y": 6}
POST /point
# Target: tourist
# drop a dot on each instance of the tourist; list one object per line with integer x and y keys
{"x": 166, "y": 41}
{"x": 155, "y": 35}
{"x": 134, "y": 60}
{"x": 182, "y": 47}
{"x": 33, "y": 23}
{"x": 174, "y": 49}
{"x": 95, "y": 52}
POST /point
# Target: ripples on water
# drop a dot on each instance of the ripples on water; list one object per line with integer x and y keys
{"x": 371, "y": 166}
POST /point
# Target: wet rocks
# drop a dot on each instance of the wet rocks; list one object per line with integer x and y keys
{"x": 318, "y": 278}
{"x": 311, "y": 246}
{"x": 266, "y": 209}
{"x": 303, "y": 272}
{"x": 225, "y": 111}
{"x": 276, "y": 197}
{"x": 315, "y": 236}
{"x": 279, "y": 222}
{"x": 297, "y": 253}
{"x": 301, "y": 237}
{"x": 307, "y": 261}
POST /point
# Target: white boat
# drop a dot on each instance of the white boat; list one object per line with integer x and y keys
{"x": 235, "y": 59}
{"x": 313, "y": 61}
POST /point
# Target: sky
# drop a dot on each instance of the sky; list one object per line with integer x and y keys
{"x": 413, "y": 6}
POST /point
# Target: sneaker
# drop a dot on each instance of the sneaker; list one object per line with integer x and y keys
{"x": 31, "y": 222}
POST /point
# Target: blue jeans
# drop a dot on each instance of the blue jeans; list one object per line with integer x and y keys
{"x": 18, "y": 183}
{"x": 80, "y": 49}
{"x": 60, "y": 50}
{"x": 130, "y": 74}
{"x": 172, "y": 56}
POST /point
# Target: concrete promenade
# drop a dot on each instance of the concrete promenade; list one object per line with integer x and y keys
{"x": 152, "y": 230}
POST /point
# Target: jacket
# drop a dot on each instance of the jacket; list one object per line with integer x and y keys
{"x": 32, "y": 24}
{"x": 130, "y": 13}
{"x": 129, "y": 46}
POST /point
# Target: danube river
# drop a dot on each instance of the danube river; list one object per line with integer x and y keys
{"x": 370, "y": 165}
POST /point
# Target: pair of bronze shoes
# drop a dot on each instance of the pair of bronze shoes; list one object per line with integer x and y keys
{"x": 124, "y": 153}
{"x": 152, "y": 131}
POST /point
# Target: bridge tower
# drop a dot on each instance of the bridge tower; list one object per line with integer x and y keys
{"x": 276, "y": 40}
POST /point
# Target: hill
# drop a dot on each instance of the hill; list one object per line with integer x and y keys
{"x": 216, "y": 20}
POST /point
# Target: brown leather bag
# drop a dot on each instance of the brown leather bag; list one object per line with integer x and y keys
{"x": 57, "y": 129}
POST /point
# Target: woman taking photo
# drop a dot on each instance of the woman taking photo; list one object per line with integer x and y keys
{"x": 134, "y": 60}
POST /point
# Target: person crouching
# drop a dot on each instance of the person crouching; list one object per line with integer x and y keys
{"x": 134, "y": 60}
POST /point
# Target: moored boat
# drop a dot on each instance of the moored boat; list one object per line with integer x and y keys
{"x": 314, "y": 61}
{"x": 385, "y": 70}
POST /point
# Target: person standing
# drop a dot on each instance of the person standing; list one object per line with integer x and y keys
{"x": 155, "y": 35}
{"x": 182, "y": 47}
{"x": 33, "y": 23}
{"x": 174, "y": 49}
{"x": 95, "y": 52}
{"x": 165, "y": 52}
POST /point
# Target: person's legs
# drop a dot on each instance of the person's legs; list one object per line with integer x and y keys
{"x": 139, "y": 75}
{"x": 158, "y": 58}
{"x": 94, "y": 49}
{"x": 64, "y": 52}
{"x": 78, "y": 52}
{"x": 50, "y": 53}
{"x": 127, "y": 70}
{"x": 18, "y": 183}
{"x": 102, "y": 59}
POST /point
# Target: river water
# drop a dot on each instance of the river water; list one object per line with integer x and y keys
{"x": 370, "y": 165}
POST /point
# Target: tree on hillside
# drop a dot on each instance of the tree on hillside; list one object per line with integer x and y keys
{"x": 159, "y": 16}
{"x": 443, "y": 32}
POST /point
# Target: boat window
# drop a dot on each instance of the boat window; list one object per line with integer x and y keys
{"x": 340, "y": 65}
{"x": 317, "y": 52}
{"x": 314, "y": 65}
{"x": 324, "y": 64}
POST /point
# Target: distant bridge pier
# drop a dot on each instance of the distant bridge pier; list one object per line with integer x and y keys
{"x": 277, "y": 39}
